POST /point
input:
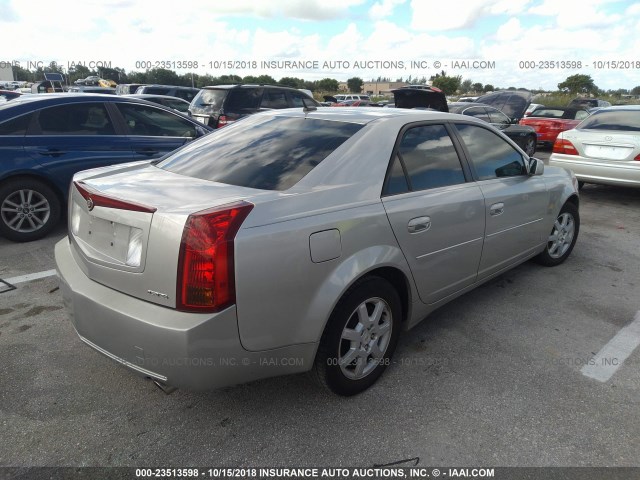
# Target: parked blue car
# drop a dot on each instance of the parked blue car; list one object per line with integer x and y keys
{"x": 45, "y": 139}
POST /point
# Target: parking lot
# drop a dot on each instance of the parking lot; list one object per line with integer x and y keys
{"x": 499, "y": 377}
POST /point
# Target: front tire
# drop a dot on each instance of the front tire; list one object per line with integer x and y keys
{"x": 562, "y": 238}
{"x": 29, "y": 210}
{"x": 360, "y": 337}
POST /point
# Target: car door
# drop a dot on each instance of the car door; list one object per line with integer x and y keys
{"x": 12, "y": 154}
{"x": 515, "y": 203}
{"x": 65, "y": 139}
{"x": 435, "y": 210}
{"x": 154, "y": 132}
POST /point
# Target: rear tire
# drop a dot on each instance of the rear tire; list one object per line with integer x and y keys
{"x": 530, "y": 145}
{"x": 360, "y": 337}
{"x": 562, "y": 238}
{"x": 29, "y": 210}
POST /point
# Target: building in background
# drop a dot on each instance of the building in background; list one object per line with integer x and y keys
{"x": 6, "y": 72}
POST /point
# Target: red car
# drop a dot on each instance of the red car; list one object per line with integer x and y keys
{"x": 548, "y": 122}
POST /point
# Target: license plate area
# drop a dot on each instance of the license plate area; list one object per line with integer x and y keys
{"x": 608, "y": 152}
{"x": 110, "y": 237}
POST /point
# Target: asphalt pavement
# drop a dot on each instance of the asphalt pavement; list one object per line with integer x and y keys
{"x": 495, "y": 378}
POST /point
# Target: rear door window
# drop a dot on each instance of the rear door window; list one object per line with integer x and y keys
{"x": 478, "y": 112}
{"x": 243, "y": 100}
{"x": 149, "y": 121}
{"x": 274, "y": 99}
{"x": 75, "y": 119}
{"x": 274, "y": 154}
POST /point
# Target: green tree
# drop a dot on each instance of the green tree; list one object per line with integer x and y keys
{"x": 578, "y": 83}
{"x": 137, "y": 77}
{"x": 635, "y": 90}
{"x": 228, "y": 79}
{"x": 327, "y": 85}
{"x": 488, "y": 88}
{"x": 355, "y": 84}
{"x": 22, "y": 74}
{"x": 78, "y": 71}
{"x": 292, "y": 82}
{"x": 162, "y": 76}
{"x": 477, "y": 87}
{"x": 466, "y": 85}
{"x": 449, "y": 85}
{"x": 261, "y": 80}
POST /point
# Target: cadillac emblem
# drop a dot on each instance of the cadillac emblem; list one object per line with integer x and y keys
{"x": 90, "y": 204}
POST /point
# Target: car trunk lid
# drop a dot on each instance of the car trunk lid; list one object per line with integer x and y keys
{"x": 604, "y": 145}
{"x": 126, "y": 225}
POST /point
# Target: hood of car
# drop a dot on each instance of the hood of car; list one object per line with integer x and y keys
{"x": 420, "y": 98}
{"x": 513, "y": 103}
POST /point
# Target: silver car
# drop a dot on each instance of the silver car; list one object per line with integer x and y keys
{"x": 604, "y": 148}
{"x": 299, "y": 240}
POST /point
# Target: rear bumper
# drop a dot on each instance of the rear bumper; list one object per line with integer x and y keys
{"x": 186, "y": 350}
{"x": 592, "y": 170}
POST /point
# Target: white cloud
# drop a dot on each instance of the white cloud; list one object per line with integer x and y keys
{"x": 575, "y": 14}
{"x": 300, "y": 9}
{"x": 384, "y": 8}
{"x": 426, "y": 16}
{"x": 510, "y": 30}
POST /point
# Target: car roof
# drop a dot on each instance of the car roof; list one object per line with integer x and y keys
{"x": 156, "y": 85}
{"x": 364, "y": 115}
{"x": 605, "y": 109}
{"x": 153, "y": 95}
{"x": 27, "y": 103}
{"x": 246, "y": 85}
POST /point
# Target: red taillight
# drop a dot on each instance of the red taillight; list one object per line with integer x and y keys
{"x": 555, "y": 126}
{"x": 97, "y": 199}
{"x": 637, "y": 158}
{"x": 224, "y": 120}
{"x": 206, "y": 280}
{"x": 564, "y": 146}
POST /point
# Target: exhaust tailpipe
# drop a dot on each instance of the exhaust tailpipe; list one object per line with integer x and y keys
{"x": 164, "y": 387}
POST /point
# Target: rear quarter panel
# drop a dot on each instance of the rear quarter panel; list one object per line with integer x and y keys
{"x": 283, "y": 297}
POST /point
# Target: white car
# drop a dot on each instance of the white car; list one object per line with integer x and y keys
{"x": 604, "y": 148}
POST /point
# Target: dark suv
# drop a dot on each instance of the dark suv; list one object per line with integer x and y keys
{"x": 185, "y": 93}
{"x": 219, "y": 105}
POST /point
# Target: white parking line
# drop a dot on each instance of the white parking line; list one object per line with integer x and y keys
{"x": 29, "y": 277}
{"x": 613, "y": 354}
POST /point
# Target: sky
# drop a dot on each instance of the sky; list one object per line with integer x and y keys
{"x": 501, "y": 42}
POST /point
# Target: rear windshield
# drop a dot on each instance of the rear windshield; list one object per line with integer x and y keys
{"x": 583, "y": 102}
{"x": 619, "y": 120}
{"x": 273, "y": 154}
{"x": 210, "y": 98}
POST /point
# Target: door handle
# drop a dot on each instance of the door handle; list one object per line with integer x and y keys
{"x": 51, "y": 152}
{"x": 496, "y": 209}
{"x": 419, "y": 224}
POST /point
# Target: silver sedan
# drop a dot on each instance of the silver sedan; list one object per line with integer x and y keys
{"x": 604, "y": 148}
{"x": 301, "y": 240}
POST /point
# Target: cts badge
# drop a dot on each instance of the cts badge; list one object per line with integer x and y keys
{"x": 90, "y": 204}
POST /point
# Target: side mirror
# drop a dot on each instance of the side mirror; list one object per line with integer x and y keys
{"x": 536, "y": 166}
